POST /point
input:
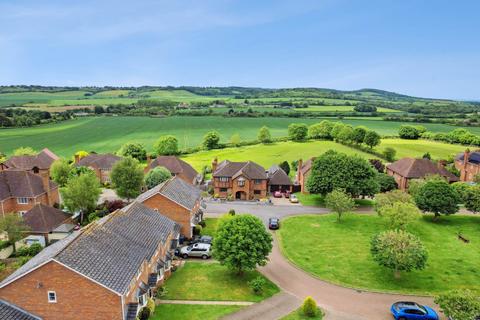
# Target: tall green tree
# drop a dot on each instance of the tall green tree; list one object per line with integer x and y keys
{"x": 127, "y": 178}
{"x": 24, "y": 151}
{"x": 386, "y": 182}
{"x": 400, "y": 214}
{"x": 438, "y": 197}
{"x": 242, "y": 243}
{"x": 211, "y": 140}
{"x": 235, "y": 140}
{"x": 346, "y": 134}
{"x": 359, "y": 134}
{"x": 399, "y": 250}
{"x": 320, "y": 130}
{"x": 285, "y": 166}
{"x": 297, "y": 131}
{"x": 339, "y": 202}
{"x": 336, "y": 129}
{"x": 60, "y": 172}
{"x": 81, "y": 193}
{"x": 408, "y": 132}
{"x": 166, "y": 145}
{"x": 133, "y": 149}
{"x": 12, "y": 224}
{"x": 371, "y": 139}
{"x": 389, "y": 153}
{"x": 459, "y": 304}
{"x": 472, "y": 199}
{"x": 383, "y": 200}
{"x": 156, "y": 176}
{"x": 264, "y": 135}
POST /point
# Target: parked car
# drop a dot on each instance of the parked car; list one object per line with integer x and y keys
{"x": 203, "y": 239}
{"x": 293, "y": 198}
{"x": 273, "y": 223}
{"x": 404, "y": 310}
{"x": 277, "y": 194}
{"x": 200, "y": 250}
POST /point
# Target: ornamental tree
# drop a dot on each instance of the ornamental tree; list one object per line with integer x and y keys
{"x": 339, "y": 202}
{"x": 297, "y": 131}
{"x": 437, "y": 196}
{"x": 166, "y": 145}
{"x": 386, "y": 199}
{"x": 399, "y": 250}
{"x": 211, "y": 140}
{"x": 127, "y": 178}
{"x": 81, "y": 193}
{"x": 60, "y": 172}
{"x": 242, "y": 243}
{"x": 264, "y": 135}
{"x": 400, "y": 214}
{"x": 156, "y": 176}
{"x": 134, "y": 150}
{"x": 459, "y": 304}
{"x": 13, "y": 226}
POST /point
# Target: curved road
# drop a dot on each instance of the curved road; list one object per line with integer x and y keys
{"x": 340, "y": 303}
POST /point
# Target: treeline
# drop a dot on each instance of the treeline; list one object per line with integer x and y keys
{"x": 457, "y": 136}
{"x": 27, "y": 118}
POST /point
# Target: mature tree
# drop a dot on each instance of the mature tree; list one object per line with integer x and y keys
{"x": 461, "y": 188}
{"x": 472, "y": 199}
{"x": 13, "y": 226}
{"x": 346, "y": 134}
{"x": 320, "y": 130}
{"x": 377, "y": 164}
{"x": 400, "y": 214}
{"x": 156, "y": 176}
{"x": 399, "y": 250}
{"x": 339, "y": 202}
{"x": 387, "y": 199}
{"x": 337, "y": 128}
{"x": 359, "y": 134}
{"x": 264, "y": 135}
{"x": 166, "y": 145}
{"x": 389, "y": 154}
{"x": 242, "y": 243}
{"x": 24, "y": 151}
{"x": 127, "y": 178}
{"x": 235, "y": 140}
{"x": 437, "y": 196}
{"x": 285, "y": 167}
{"x": 211, "y": 140}
{"x": 334, "y": 170}
{"x": 372, "y": 139}
{"x": 408, "y": 132}
{"x": 81, "y": 193}
{"x": 297, "y": 131}
{"x": 386, "y": 182}
{"x": 60, "y": 172}
{"x": 134, "y": 150}
{"x": 459, "y": 304}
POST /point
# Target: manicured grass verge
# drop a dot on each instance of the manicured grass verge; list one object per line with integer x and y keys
{"x": 298, "y": 315}
{"x": 340, "y": 252}
{"x": 191, "y": 312}
{"x": 317, "y": 200}
{"x": 212, "y": 281}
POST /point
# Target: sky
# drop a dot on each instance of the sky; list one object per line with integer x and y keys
{"x": 426, "y": 48}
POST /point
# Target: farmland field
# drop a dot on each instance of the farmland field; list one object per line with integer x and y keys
{"x": 107, "y": 134}
{"x": 417, "y": 148}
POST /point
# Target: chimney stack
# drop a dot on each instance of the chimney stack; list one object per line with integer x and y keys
{"x": 214, "y": 164}
{"x": 77, "y": 158}
{"x": 466, "y": 157}
{"x": 45, "y": 175}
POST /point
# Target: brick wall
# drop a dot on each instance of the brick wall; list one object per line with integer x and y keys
{"x": 11, "y": 205}
{"x": 468, "y": 171}
{"x": 77, "y": 296}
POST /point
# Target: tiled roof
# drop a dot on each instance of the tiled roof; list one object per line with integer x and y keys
{"x": 276, "y": 176}
{"x": 101, "y": 161}
{"x": 18, "y": 183}
{"x": 176, "y": 190}
{"x": 44, "y": 219}
{"x": 42, "y": 160}
{"x": 419, "y": 168}
{"x": 307, "y": 165}
{"x": 249, "y": 169}
{"x": 474, "y": 157}
{"x": 111, "y": 250}
{"x": 9, "y": 311}
{"x": 175, "y": 166}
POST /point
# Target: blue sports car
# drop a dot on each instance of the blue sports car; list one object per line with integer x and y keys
{"x": 412, "y": 311}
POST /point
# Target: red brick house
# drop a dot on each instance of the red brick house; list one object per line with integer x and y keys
{"x": 278, "y": 180}
{"x": 50, "y": 222}
{"x": 39, "y": 163}
{"x": 468, "y": 163}
{"x": 107, "y": 270}
{"x": 177, "y": 168}
{"x": 100, "y": 163}
{"x": 303, "y": 172}
{"x": 178, "y": 200}
{"x": 21, "y": 190}
{"x": 239, "y": 180}
{"x": 407, "y": 169}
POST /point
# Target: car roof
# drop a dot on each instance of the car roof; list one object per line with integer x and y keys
{"x": 408, "y": 305}
{"x": 274, "y": 219}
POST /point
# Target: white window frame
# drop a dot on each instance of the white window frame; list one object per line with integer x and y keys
{"x": 223, "y": 179}
{"x": 22, "y": 202}
{"x": 54, "y": 296}
{"x": 144, "y": 297}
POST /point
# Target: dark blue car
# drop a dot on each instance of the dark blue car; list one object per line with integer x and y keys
{"x": 412, "y": 311}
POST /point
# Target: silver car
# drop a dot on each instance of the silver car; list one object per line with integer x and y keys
{"x": 201, "y": 250}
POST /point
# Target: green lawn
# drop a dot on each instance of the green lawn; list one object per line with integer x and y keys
{"x": 417, "y": 148}
{"x": 191, "y": 311}
{"x": 298, "y": 315}
{"x": 212, "y": 281}
{"x": 340, "y": 252}
{"x": 317, "y": 200}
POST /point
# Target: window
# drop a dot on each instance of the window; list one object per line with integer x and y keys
{"x": 52, "y": 297}
{"x": 258, "y": 181}
{"x": 223, "y": 189}
{"x": 241, "y": 182}
{"x": 22, "y": 200}
{"x": 160, "y": 273}
{"x": 223, "y": 179}
{"x": 142, "y": 300}
{"x": 257, "y": 192}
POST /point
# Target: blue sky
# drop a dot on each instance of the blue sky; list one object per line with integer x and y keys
{"x": 421, "y": 48}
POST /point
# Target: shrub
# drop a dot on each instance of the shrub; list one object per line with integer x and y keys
{"x": 459, "y": 304}
{"x": 166, "y": 145}
{"x": 92, "y": 217}
{"x": 264, "y": 135}
{"x": 257, "y": 285}
{"x": 30, "y": 251}
{"x": 151, "y": 306}
{"x": 161, "y": 292}
{"x": 408, "y": 132}
{"x": 134, "y": 150}
{"x": 231, "y": 212}
{"x": 202, "y": 223}
{"x": 156, "y": 176}
{"x": 386, "y": 182}
{"x": 4, "y": 244}
{"x": 309, "y": 307}
{"x": 211, "y": 140}
{"x": 197, "y": 230}
{"x": 389, "y": 154}
{"x": 144, "y": 313}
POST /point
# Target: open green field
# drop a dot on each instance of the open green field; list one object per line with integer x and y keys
{"x": 340, "y": 252}
{"x": 417, "y": 148}
{"x": 210, "y": 281}
{"x": 192, "y": 311}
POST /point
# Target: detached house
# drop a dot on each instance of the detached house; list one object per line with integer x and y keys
{"x": 240, "y": 180}
{"x": 303, "y": 172}
{"x": 468, "y": 163}
{"x": 407, "y": 169}
{"x": 177, "y": 167}
{"x": 105, "y": 271}
{"x": 178, "y": 200}
{"x": 39, "y": 164}
{"x": 21, "y": 190}
{"x": 100, "y": 163}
